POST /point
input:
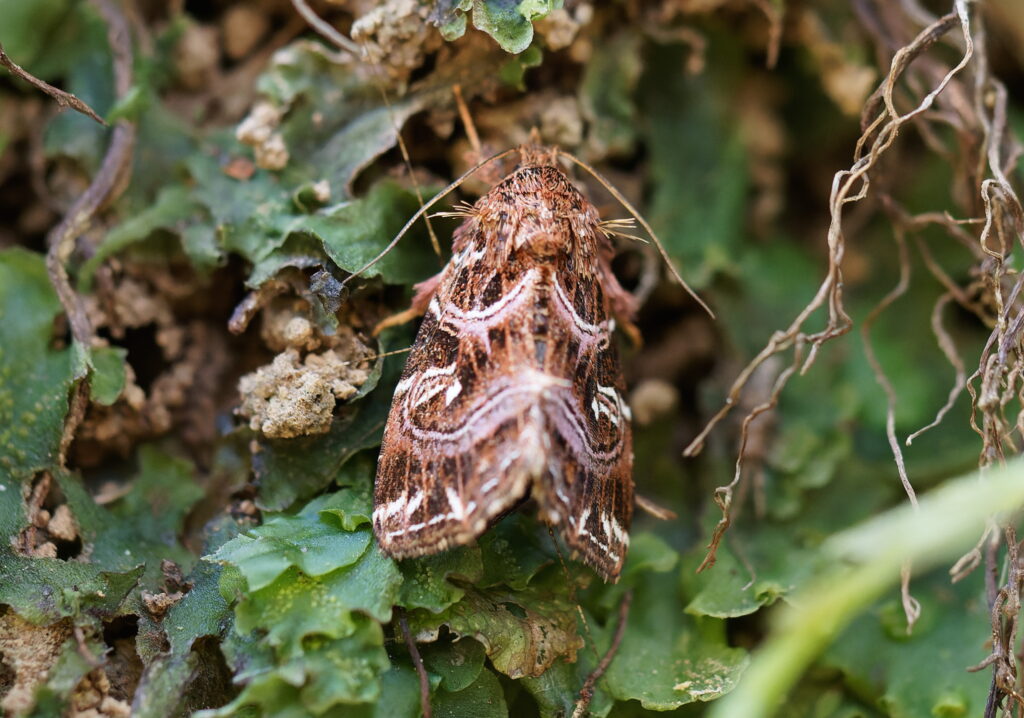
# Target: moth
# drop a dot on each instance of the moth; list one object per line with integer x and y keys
{"x": 513, "y": 386}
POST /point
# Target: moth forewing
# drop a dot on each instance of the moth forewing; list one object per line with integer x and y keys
{"x": 513, "y": 385}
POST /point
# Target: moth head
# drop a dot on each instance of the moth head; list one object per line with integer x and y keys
{"x": 533, "y": 153}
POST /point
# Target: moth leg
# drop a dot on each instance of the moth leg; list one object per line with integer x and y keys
{"x": 654, "y": 509}
{"x": 424, "y": 292}
{"x": 623, "y": 304}
{"x": 630, "y": 330}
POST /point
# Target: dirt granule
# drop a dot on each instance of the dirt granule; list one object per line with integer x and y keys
{"x": 29, "y": 651}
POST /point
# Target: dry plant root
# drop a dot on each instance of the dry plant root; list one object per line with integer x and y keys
{"x": 926, "y": 92}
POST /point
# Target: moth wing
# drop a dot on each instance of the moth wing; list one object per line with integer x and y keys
{"x": 513, "y": 382}
{"x": 589, "y": 482}
{"x": 455, "y": 448}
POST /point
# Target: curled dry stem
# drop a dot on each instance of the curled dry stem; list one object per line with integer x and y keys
{"x": 109, "y": 182}
{"x": 876, "y": 367}
{"x": 948, "y": 347}
{"x": 325, "y": 29}
{"x": 724, "y": 494}
{"x": 1005, "y": 607}
{"x": 881, "y": 122}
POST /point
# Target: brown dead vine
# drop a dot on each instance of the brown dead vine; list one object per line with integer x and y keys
{"x": 881, "y": 123}
{"x": 108, "y": 184}
{"x": 934, "y": 96}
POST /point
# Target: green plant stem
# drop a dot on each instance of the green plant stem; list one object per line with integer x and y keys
{"x": 867, "y": 559}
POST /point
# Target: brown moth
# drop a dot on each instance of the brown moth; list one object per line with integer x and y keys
{"x": 513, "y": 385}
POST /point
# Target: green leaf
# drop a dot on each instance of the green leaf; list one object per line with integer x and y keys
{"x": 172, "y": 207}
{"x": 334, "y": 121}
{"x": 308, "y": 623}
{"x": 125, "y": 544}
{"x": 306, "y": 543}
{"x": 27, "y": 27}
{"x": 924, "y": 673}
{"x": 201, "y": 613}
{"x": 108, "y": 374}
{"x": 399, "y": 696}
{"x": 557, "y": 689}
{"x": 606, "y": 95}
{"x": 356, "y": 232}
{"x": 84, "y": 67}
{"x": 862, "y": 563}
{"x": 453, "y": 27}
{"x": 513, "y": 551}
{"x": 698, "y": 165}
{"x": 668, "y": 659}
{"x": 143, "y": 526}
{"x": 483, "y": 699}
{"x": 523, "y": 632}
{"x": 351, "y": 507}
{"x": 513, "y": 72}
{"x": 773, "y": 565}
{"x": 324, "y": 674}
{"x": 43, "y": 590}
{"x": 296, "y": 606}
{"x": 35, "y": 378}
{"x": 435, "y": 582}
{"x": 510, "y": 22}
{"x": 458, "y": 663}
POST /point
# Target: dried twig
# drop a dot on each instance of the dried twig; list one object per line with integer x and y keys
{"x": 881, "y": 123}
{"x": 64, "y": 99}
{"x": 324, "y": 28}
{"x": 82, "y": 647}
{"x": 587, "y": 691}
{"x": 109, "y": 182}
{"x": 724, "y": 494}
{"x": 417, "y": 661}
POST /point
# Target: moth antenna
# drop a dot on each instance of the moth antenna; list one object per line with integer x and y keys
{"x": 625, "y": 235}
{"x": 408, "y": 163}
{"x": 643, "y": 223}
{"x": 423, "y": 210}
{"x": 329, "y": 33}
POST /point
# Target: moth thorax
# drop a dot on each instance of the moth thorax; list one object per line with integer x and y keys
{"x": 544, "y": 245}
{"x": 542, "y": 235}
